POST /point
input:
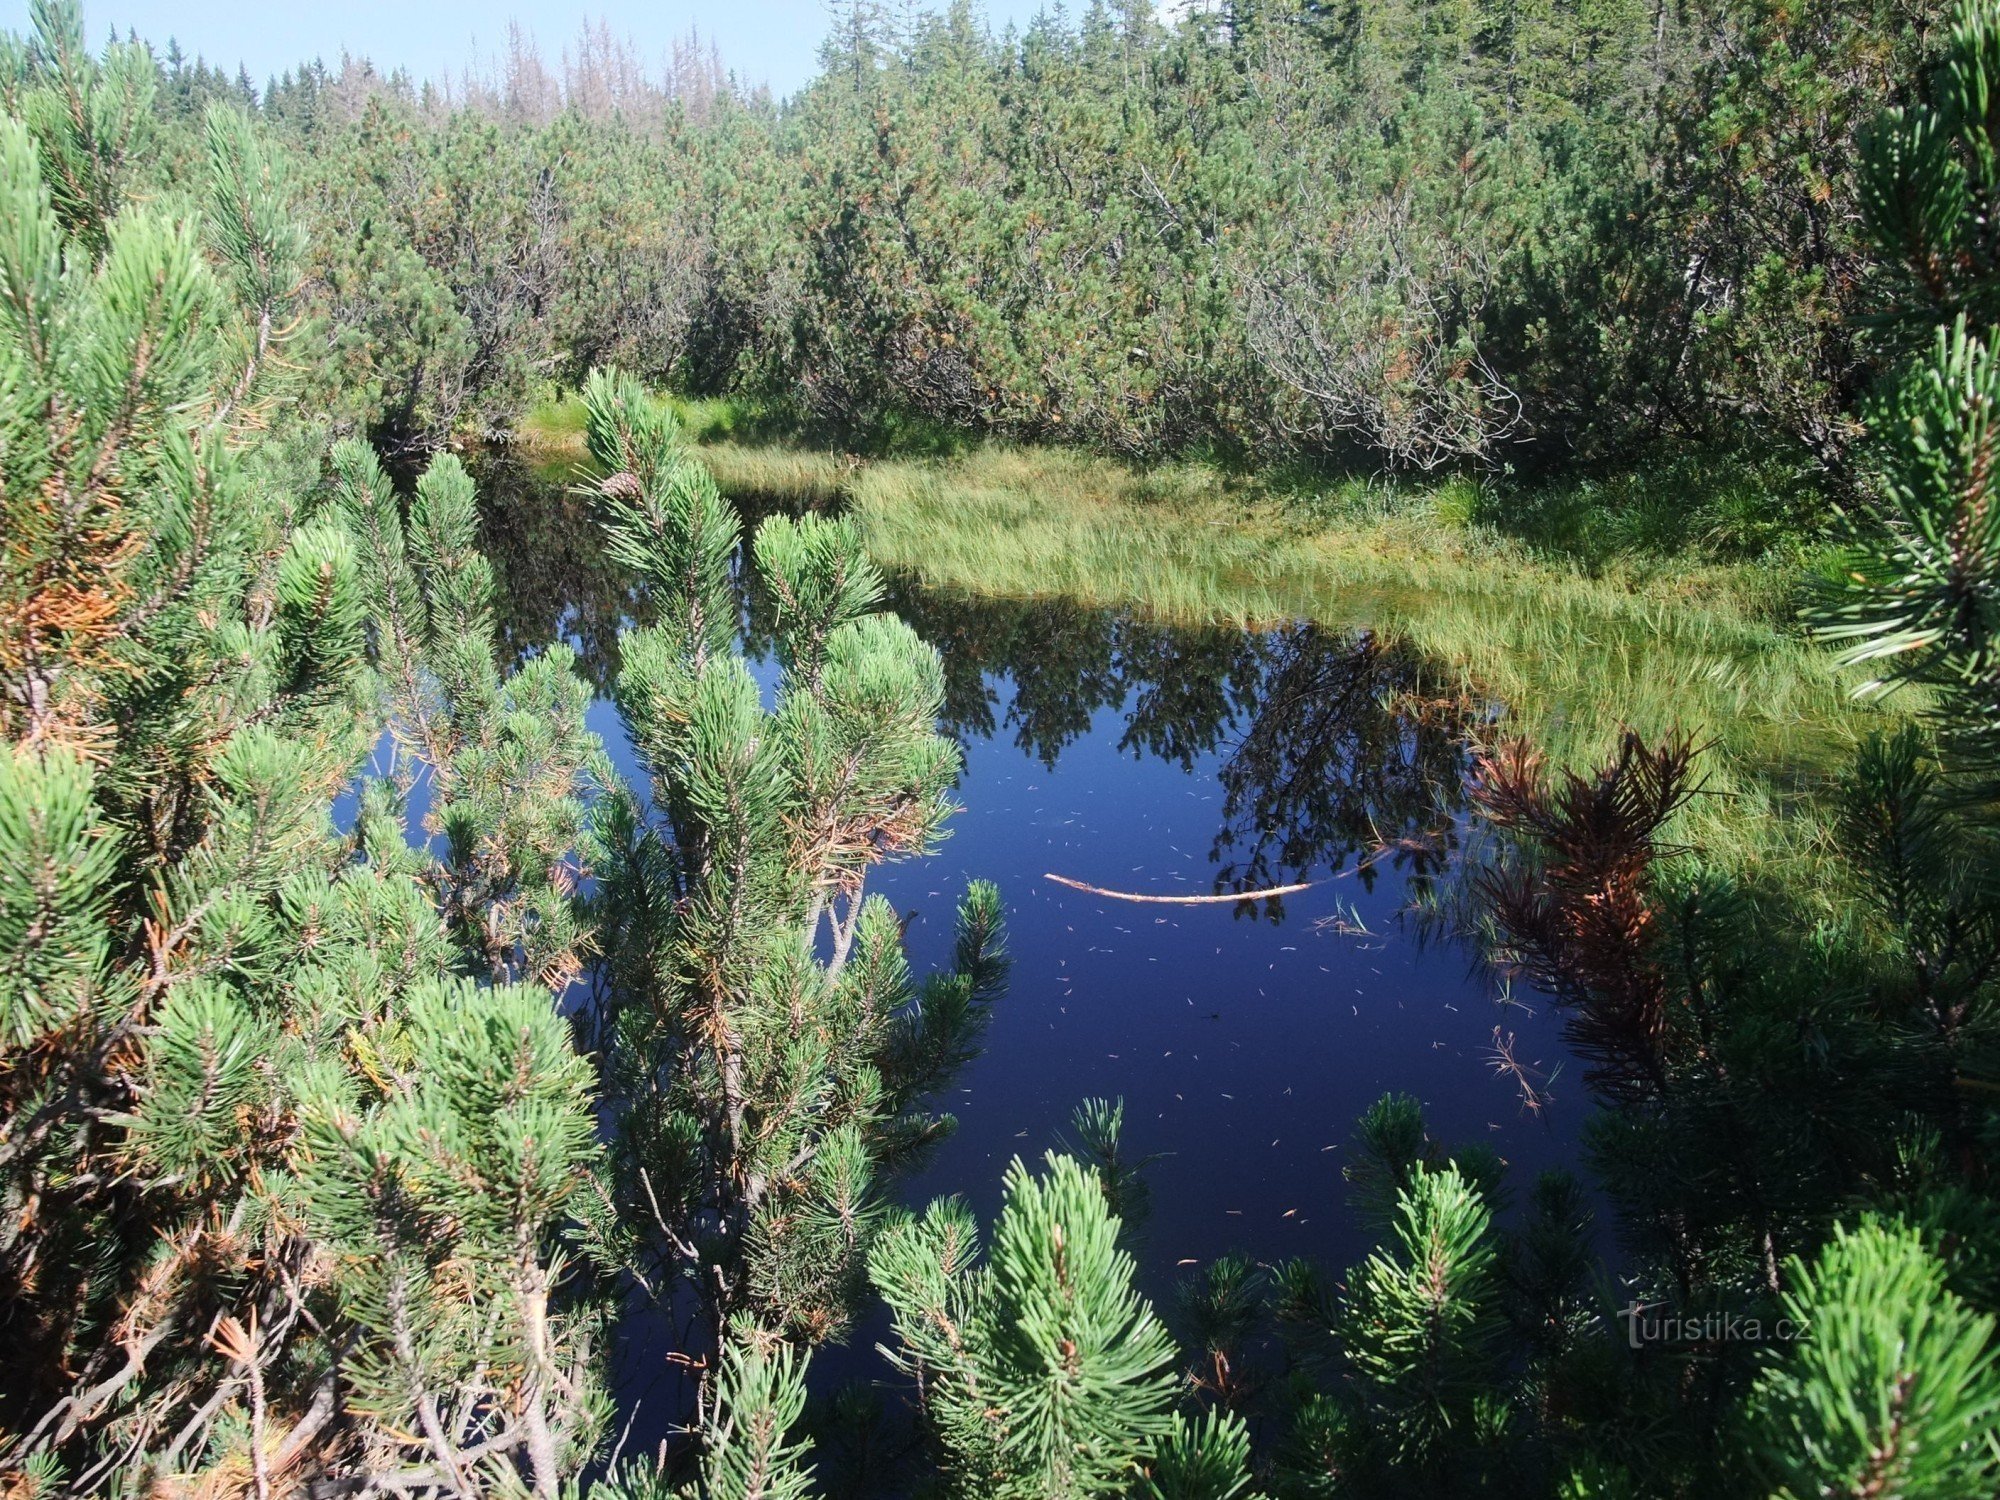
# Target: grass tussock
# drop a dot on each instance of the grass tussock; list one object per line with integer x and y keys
{"x": 794, "y": 476}
{"x": 1575, "y": 610}
{"x": 1568, "y": 650}
{"x": 553, "y": 427}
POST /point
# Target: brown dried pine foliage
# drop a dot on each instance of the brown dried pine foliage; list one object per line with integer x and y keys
{"x": 1577, "y": 915}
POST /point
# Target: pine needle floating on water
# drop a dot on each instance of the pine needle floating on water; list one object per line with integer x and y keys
{"x": 1343, "y": 922}
{"x": 1530, "y": 1079}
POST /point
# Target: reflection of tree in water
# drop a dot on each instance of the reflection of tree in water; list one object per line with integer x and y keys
{"x": 1060, "y": 658}
{"x": 1190, "y": 688}
{"x": 1331, "y": 743}
{"x": 553, "y": 580}
{"x": 1066, "y": 662}
{"x": 1346, "y": 751}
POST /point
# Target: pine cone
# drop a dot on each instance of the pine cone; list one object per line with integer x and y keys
{"x": 624, "y": 485}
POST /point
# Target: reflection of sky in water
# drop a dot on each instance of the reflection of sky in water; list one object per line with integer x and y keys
{"x": 1244, "y": 1038}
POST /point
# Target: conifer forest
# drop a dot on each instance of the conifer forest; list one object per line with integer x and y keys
{"x": 1246, "y": 752}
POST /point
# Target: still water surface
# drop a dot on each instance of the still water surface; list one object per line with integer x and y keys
{"x": 1244, "y": 1037}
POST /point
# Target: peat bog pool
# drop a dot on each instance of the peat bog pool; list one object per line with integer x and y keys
{"x": 1244, "y": 1037}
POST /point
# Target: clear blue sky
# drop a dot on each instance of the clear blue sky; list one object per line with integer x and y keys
{"x": 769, "y": 41}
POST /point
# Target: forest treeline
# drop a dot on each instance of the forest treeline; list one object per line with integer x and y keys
{"x": 371, "y": 1043}
{"x": 1497, "y": 233}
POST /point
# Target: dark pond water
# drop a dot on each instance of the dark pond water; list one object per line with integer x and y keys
{"x": 1244, "y": 1037}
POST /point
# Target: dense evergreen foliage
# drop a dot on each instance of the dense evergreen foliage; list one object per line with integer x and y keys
{"x": 1404, "y": 234}
{"x": 369, "y": 1045}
